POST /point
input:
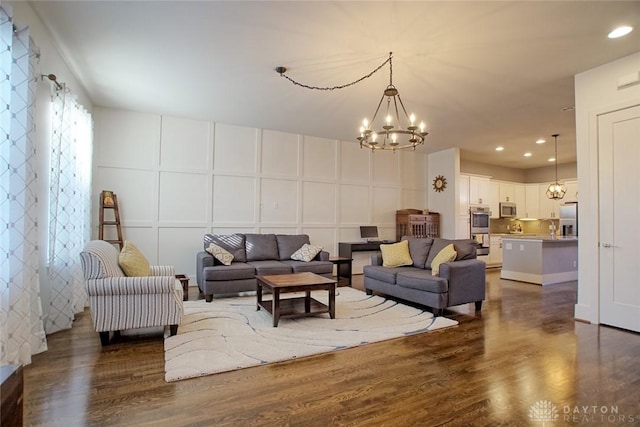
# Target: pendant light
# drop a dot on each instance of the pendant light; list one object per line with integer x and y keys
{"x": 556, "y": 191}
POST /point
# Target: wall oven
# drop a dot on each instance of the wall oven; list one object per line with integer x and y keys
{"x": 479, "y": 223}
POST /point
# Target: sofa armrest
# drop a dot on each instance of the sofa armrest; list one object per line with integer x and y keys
{"x": 162, "y": 270}
{"x": 322, "y": 256}
{"x": 203, "y": 259}
{"x": 467, "y": 280}
{"x": 110, "y": 286}
{"x": 376, "y": 258}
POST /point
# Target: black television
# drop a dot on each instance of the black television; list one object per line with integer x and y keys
{"x": 369, "y": 232}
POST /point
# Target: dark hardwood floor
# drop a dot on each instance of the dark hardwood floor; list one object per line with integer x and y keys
{"x": 524, "y": 348}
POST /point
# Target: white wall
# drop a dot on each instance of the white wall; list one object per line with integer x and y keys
{"x": 177, "y": 179}
{"x": 447, "y": 164}
{"x": 596, "y": 93}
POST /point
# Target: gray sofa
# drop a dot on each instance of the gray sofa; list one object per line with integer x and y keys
{"x": 254, "y": 254}
{"x": 459, "y": 282}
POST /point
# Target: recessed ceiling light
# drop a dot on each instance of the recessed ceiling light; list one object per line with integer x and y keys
{"x": 551, "y": 159}
{"x": 540, "y": 141}
{"x": 500, "y": 148}
{"x": 620, "y": 31}
{"x": 527, "y": 154}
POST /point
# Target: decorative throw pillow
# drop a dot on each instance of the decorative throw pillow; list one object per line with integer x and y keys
{"x": 132, "y": 262}
{"x": 447, "y": 254}
{"x": 396, "y": 254}
{"x": 221, "y": 254}
{"x": 306, "y": 253}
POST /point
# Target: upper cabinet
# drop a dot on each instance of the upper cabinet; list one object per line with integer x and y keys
{"x": 572, "y": 191}
{"x": 507, "y": 192}
{"x": 494, "y": 199}
{"x": 548, "y": 207}
{"x": 463, "y": 202}
{"x": 479, "y": 190}
{"x": 531, "y": 208}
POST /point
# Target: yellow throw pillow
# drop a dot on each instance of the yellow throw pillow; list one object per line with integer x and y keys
{"x": 132, "y": 262}
{"x": 396, "y": 254}
{"x": 446, "y": 254}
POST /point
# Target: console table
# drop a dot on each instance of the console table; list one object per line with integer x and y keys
{"x": 346, "y": 250}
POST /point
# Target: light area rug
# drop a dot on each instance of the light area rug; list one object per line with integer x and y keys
{"x": 229, "y": 333}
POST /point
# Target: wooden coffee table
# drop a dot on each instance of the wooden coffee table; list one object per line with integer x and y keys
{"x": 300, "y": 306}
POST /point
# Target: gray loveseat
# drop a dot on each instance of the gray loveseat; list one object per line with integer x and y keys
{"x": 253, "y": 254}
{"x": 460, "y": 281}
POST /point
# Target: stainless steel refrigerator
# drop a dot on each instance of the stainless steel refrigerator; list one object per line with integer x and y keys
{"x": 569, "y": 219}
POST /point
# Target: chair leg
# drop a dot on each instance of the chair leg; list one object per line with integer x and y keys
{"x": 104, "y": 338}
{"x": 173, "y": 329}
{"x": 478, "y": 305}
{"x": 437, "y": 312}
{"x": 369, "y": 291}
{"x": 208, "y": 298}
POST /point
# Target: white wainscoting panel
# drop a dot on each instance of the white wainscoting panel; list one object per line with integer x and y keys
{"x": 186, "y": 144}
{"x": 279, "y": 201}
{"x": 385, "y": 168}
{"x": 136, "y": 190}
{"x": 235, "y": 149}
{"x": 234, "y": 199}
{"x": 385, "y": 204}
{"x": 319, "y": 158}
{"x": 178, "y": 246}
{"x": 413, "y": 199}
{"x": 280, "y": 153}
{"x": 144, "y": 237}
{"x": 325, "y": 237}
{"x": 355, "y": 201}
{"x": 127, "y": 138}
{"x": 318, "y": 203}
{"x": 182, "y": 197}
{"x": 413, "y": 170}
{"x": 354, "y": 163}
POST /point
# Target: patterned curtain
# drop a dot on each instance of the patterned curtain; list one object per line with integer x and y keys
{"x": 21, "y": 325}
{"x": 69, "y": 208}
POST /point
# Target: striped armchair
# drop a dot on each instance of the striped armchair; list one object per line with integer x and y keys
{"x": 118, "y": 302}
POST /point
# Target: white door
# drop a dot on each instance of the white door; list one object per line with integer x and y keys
{"x": 619, "y": 187}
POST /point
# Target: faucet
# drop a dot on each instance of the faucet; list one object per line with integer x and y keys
{"x": 552, "y": 227}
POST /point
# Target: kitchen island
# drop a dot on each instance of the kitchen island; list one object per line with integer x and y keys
{"x": 543, "y": 260}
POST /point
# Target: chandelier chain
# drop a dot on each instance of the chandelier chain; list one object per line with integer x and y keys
{"x": 339, "y": 86}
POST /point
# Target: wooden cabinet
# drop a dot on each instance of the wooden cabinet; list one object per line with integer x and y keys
{"x": 412, "y": 222}
{"x": 548, "y": 207}
{"x": 507, "y": 192}
{"x": 494, "y": 199}
{"x": 479, "y": 190}
{"x": 531, "y": 208}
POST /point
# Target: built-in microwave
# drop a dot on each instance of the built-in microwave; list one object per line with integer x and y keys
{"x": 508, "y": 210}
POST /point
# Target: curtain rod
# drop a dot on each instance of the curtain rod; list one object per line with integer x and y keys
{"x": 54, "y": 79}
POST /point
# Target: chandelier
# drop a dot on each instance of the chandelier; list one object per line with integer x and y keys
{"x": 556, "y": 191}
{"x": 392, "y": 135}
{"x": 398, "y": 130}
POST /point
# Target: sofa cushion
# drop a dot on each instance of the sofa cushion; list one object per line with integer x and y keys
{"x": 422, "y": 280}
{"x": 267, "y": 267}
{"x": 132, "y": 261}
{"x": 318, "y": 267}
{"x": 235, "y": 271}
{"x": 306, "y": 253}
{"x": 396, "y": 254}
{"x": 419, "y": 249}
{"x": 384, "y": 274}
{"x": 465, "y": 248}
{"x": 261, "y": 247}
{"x": 233, "y": 243}
{"x": 289, "y": 243}
{"x": 220, "y": 254}
{"x": 447, "y": 254}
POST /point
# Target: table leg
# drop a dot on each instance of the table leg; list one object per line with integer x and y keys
{"x": 332, "y": 301}
{"x": 307, "y": 302}
{"x": 259, "y": 294}
{"x": 275, "y": 307}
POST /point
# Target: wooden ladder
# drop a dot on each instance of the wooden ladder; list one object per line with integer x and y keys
{"x": 108, "y": 200}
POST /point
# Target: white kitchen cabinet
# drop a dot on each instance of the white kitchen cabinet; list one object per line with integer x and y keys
{"x": 520, "y": 196}
{"x": 463, "y": 201}
{"x": 495, "y": 251}
{"x": 463, "y": 228}
{"x": 548, "y": 207}
{"x": 531, "y": 208}
{"x": 494, "y": 199}
{"x": 572, "y": 191}
{"x": 479, "y": 190}
{"x": 507, "y": 192}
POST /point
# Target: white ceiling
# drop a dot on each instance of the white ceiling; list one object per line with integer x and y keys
{"x": 480, "y": 73}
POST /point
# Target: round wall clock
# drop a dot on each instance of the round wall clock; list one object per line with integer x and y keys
{"x": 439, "y": 183}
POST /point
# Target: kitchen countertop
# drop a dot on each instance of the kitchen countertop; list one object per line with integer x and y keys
{"x": 540, "y": 237}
